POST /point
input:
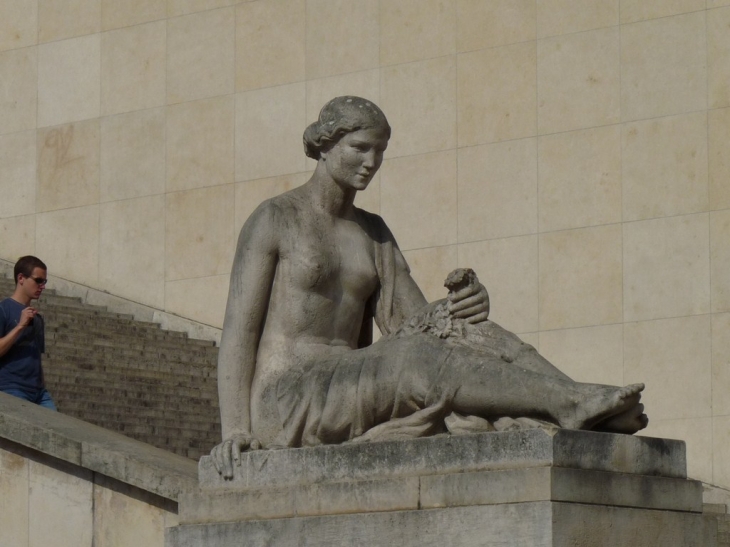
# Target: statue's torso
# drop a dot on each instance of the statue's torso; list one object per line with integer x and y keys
{"x": 324, "y": 276}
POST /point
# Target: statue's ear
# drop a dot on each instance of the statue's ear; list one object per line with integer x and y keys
{"x": 327, "y": 145}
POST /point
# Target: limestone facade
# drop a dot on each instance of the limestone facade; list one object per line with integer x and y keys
{"x": 576, "y": 153}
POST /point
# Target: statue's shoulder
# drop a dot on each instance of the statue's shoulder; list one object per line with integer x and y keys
{"x": 277, "y": 209}
{"x": 370, "y": 219}
{"x": 373, "y": 224}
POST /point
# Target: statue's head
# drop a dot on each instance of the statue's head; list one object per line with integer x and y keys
{"x": 340, "y": 116}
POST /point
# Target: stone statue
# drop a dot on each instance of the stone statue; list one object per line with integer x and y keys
{"x": 296, "y": 365}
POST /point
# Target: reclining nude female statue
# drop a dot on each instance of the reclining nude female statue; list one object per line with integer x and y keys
{"x": 311, "y": 271}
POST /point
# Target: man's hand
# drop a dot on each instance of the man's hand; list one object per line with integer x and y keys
{"x": 26, "y": 316}
{"x": 470, "y": 303}
{"x": 229, "y": 451}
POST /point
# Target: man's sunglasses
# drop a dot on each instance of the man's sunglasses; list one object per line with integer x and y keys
{"x": 39, "y": 281}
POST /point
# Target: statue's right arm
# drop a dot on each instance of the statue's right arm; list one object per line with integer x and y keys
{"x": 254, "y": 266}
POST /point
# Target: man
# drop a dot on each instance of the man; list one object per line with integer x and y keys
{"x": 22, "y": 338}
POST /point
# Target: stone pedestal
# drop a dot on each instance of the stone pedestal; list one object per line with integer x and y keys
{"x": 522, "y": 488}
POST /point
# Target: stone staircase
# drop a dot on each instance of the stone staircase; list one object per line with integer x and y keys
{"x": 156, "y": 386}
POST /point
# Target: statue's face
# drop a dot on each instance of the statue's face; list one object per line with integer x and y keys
{"x": 353, "y": 161}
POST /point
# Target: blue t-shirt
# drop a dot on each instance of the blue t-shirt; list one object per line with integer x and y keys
{"x": 20, "y": 367}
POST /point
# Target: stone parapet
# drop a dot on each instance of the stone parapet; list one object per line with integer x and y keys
{"x": 94, "y": 448}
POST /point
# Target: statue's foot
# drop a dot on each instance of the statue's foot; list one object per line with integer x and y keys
{"x": 597, "y": 403}
{"x": 629, "y": 422}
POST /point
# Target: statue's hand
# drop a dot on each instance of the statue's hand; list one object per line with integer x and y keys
{"x": 229, "y": 451}
{"x": 470, "y": 303}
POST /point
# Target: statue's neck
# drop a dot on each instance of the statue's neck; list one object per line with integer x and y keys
{"x": 329, "y": 196}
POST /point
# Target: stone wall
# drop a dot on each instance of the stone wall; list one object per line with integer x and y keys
{"x": 67, "y": 483}
{"x": 575, "y": 153}
{"x": 46, "y": 501}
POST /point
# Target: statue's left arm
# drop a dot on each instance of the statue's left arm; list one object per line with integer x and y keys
{"x": 470, "y": 303}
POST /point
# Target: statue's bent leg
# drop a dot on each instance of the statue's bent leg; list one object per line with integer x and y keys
{"x": 342, "y": 396}
{"x": 489, "y": 387}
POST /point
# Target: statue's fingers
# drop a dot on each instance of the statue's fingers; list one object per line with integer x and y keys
{"x": 227, "y": 460}
{"x": 472, "y": 308}
{"x": 255, "y": 444}
{"x": 466, "y": 303}
{"x": 215, "y": 455}
{"x": 466, "y": 292}
{"x": 478, "y": 318}
{"x": 236, "y": 450}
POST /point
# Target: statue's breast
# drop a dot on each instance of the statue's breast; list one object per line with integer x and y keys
{"x": 337, "y": 263}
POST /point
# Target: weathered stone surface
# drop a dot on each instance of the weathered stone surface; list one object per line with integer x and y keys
{"x": 395, "y": 494}
{"x": 536, "y": 524}
{"x": 558, "y": 484}
{"x": 443, "y": 490}
{"x": 95, "y": 448}
{"x": 453, "y": 454}
{"x": 502, "y": 488}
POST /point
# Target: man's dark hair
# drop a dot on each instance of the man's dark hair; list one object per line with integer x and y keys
{"x": 25, "y": 265}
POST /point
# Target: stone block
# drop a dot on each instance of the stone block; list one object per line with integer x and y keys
{"x": 663, "y": 65}
{"x": 18, "y": 174}
{"x": 578, "y": 81}
{"x": 18, "y": 90}
{"x": 433, "y": 18}
{"x": 513, "y": 292}
{"x": 536, "y": 524}
{"x": 19, "y": 25}
{"x": 666, "y": 267}
{"x": 69, "y": 73}
{"x": 407, "y": 92}
{"x": 496, "y": 23}
{"x": 200, "y": 55}
{"x": 506, "y": 206}
{"x": 566, "y": 16}
{"x": 559, "y": 484}
{"x": 270, "y": 43}
{"x": 14, "y": 500}
{"x": 302, "y": 500}
{"x": 580, "y": 277}
{"x": 94, "y": 448}
{"x": 507, "y": 108}
{"x": 421, "y": 185}
{"x": 60, "y": 505}
{"x": 451, "y": 454}
{"x": 133, "y": 62}
{"x": 333, "y": 44}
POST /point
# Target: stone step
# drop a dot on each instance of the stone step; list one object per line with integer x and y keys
{"x": 158, "y": 339}
{"x": 49, "y": 301}
{"x": 185, "y": 435}
{"x": 117, "y": 412}
{"x": 85, "y": 310}
{"x": 156, "y": 386}
{"x": 171, "y": 437}
{"x": 144, "y": 389}
{"x": 196, "y": 373}
{"x": 123, "y": 330}
{"x": 150, "y": 351}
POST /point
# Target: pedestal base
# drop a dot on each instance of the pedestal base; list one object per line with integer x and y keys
{"x": 525, "y": 488}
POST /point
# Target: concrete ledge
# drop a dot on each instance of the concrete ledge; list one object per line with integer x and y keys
{"x": 95, "y": 448}
{"x": 453, "y": 454}
{"x": 141, "y": 312}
